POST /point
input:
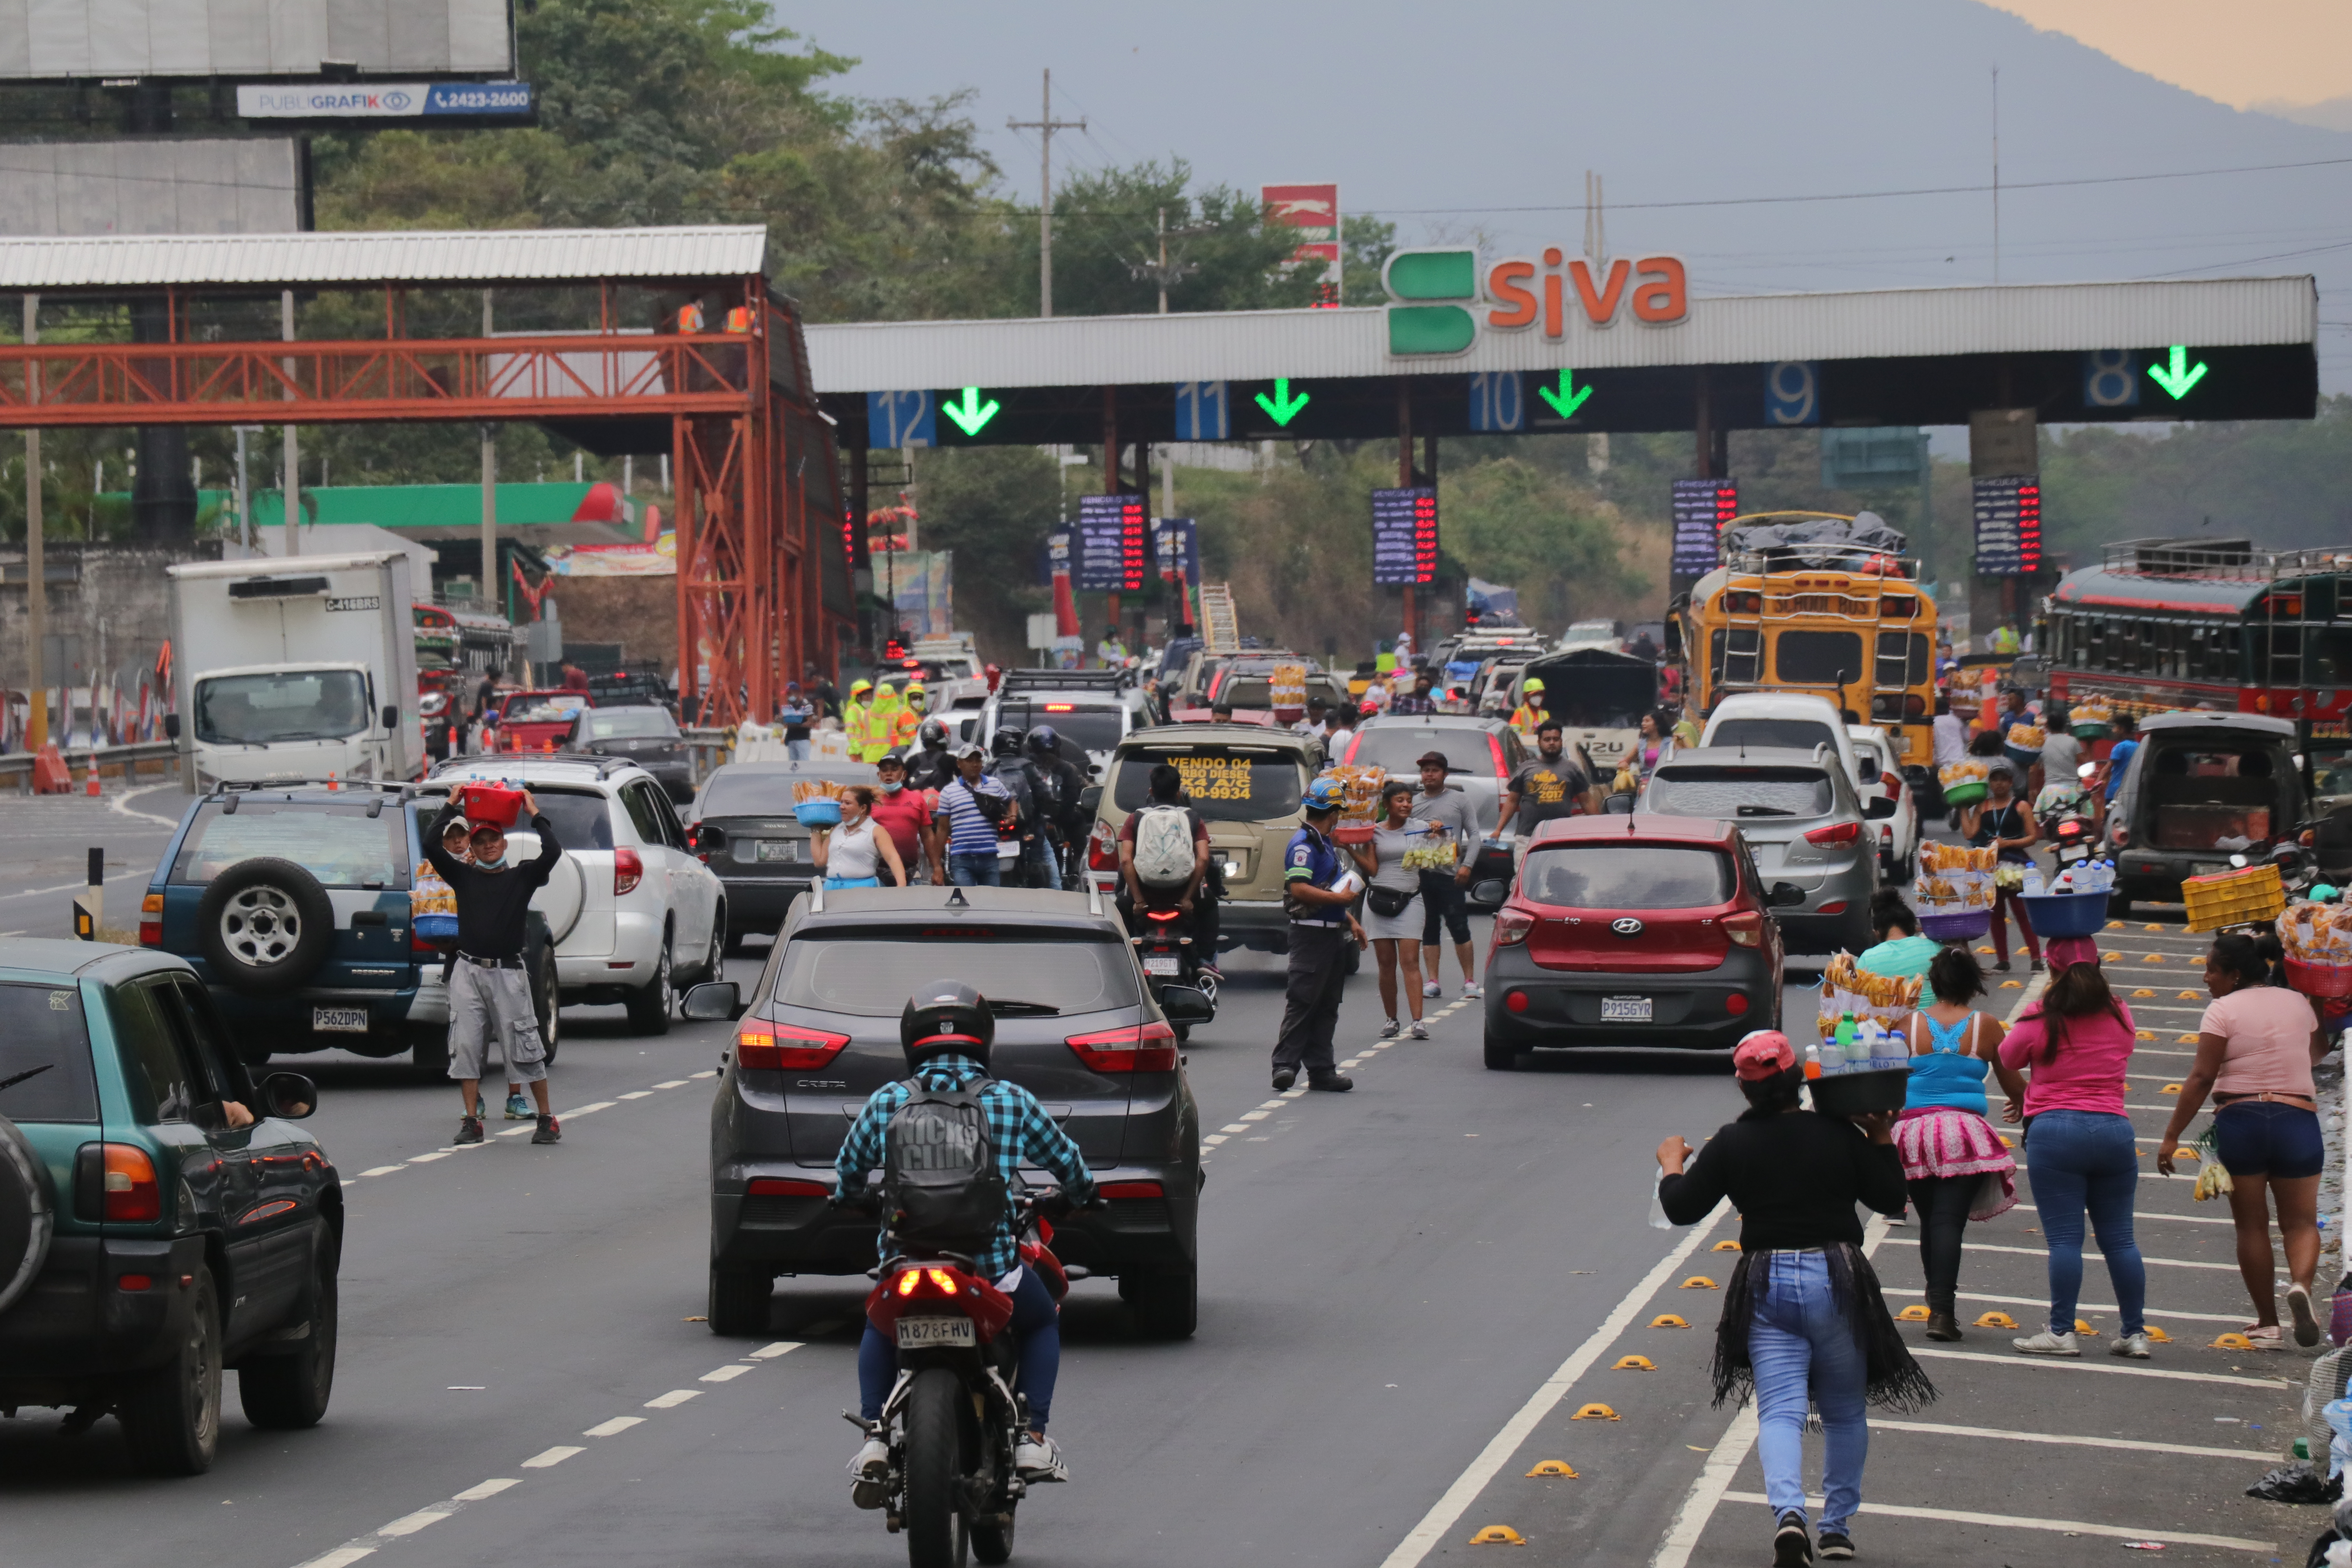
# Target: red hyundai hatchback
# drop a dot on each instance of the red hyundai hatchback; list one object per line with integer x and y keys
{"x": 1634, "y": 933}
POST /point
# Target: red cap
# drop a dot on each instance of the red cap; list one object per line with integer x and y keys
{"x": 2065, "y": 950}
{"x": 1763, "y": 1055}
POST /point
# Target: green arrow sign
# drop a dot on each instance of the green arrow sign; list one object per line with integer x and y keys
{"x": 975, "y": 414}
{"x": 1567, "y": 399}
{"x": 2180, "y": 376}
{"x": 1281, "y": 407}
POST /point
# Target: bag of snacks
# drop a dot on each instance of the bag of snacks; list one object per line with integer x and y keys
{"x": 1963, "y": 782}
{"x": 1847, "y": 987}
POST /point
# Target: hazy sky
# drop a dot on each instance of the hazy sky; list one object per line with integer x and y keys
{"x": 2241, "y": 52}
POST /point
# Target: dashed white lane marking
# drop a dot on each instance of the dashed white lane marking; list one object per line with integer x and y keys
{"x": 614, "y": 1427}
{"x": 671, "y": 1083}
{"x": 590, "y": 1110}
{"x": 2044, "y": 1252}
{"x": 2060, "y": 1526}
{"x": 1254, "y": 1115}
{"x": 341, "y": 1557}
{"x": 712, "y": 1073}
{"x": 638, "y": 1094}
{"x": 673, "y": 1399}
{"x": 382, "y": 1170}
{"x": 489, "y": 1489}
{"x": 549, "y": 1458}
{"x": 1938, "y": 1429}
{"x": 2060, "y": 1363}
{"x": 517, "y": 1132}
{"x": 1448, "y": 1509}
{"x": 770, "y": 1352}
{"x": 430, "y": 1155}
{"x": 2143, "y": 1214}
{"x": 1230, "y": 1128}
{"x": 416, "y": 1521}
{"x": 724, "y": 1373}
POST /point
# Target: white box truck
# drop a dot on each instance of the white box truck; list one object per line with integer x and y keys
{"x": 294, "y": 669}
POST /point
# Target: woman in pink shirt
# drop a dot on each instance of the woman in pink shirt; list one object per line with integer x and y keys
{"x": 2255, "y": 1049}
{"x": 2079, "y": 1149}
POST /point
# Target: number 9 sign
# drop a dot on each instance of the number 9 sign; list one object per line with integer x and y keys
{"x": 1792, "y": 392}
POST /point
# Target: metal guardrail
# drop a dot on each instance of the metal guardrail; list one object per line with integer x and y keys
{"x": 126, "y": 762}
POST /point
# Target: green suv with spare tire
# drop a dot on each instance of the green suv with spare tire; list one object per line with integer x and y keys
{"x": 163, "y": 1221}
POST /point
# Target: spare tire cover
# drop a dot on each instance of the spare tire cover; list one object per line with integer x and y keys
{"x": 265, "y": 925}
{"x": 26, "y": 1221}
{"x": 565, "y": 893}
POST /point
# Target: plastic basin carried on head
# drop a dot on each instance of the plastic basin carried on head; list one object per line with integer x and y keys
{"x": 2093, "y": 732}
{"x": 437, "y": 928}
{"x": 2066, "y": 914}
{"x": 1964, "y": 793}
{"x": 1957, "y": 927}
{"x": 490, "y": 804}
{"x": 2319, "y": 979}
{"x": 1858, "y": 1093}
{"x": 817, "y": 813}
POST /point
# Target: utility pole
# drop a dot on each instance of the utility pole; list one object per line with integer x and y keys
{"x": 1996, "y": 174}
{"x": 36, "y": 587}
{"x": 293, "y": 491}
{"x": 1046, "y": 126}
{"x": 487, "y": 594}
{"x": 1162, "y": 272}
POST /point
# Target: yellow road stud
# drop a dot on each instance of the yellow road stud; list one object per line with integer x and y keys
{"x": 2143, "y": 991}
{"x": 2152, "y": 958}
{"x": 2012, "y": 986}
{"x": 1635, "y": 1364}
{"x": 1498, "y": 1535}
{"x": 2152, "y": 926}
{"x": 2082, "y": 1327}
{"x": 1594, "y": 1412}
{"x": 1984, "y": 949}
{"x": 2115, "y": 925}
{"x": 1996, "y": 1320}
{"x": 1698, "y": 1282}
{"x": 1554, "y": 1468}
{"x": 2158, "y": 1335}
{"x": 1916, "y": 1312}
{"x": 2144, "y": 1035}
{"x": 2234, "y": 1342}
{"x": 1667, "y": 1320}
{"x": 2006, "y": 1142}
{"x": 2110, "y": 957}
{"x": 1726, "y": 1245}
{"x": 2169, "y": 1089}
{"x": 2189, "y": 996}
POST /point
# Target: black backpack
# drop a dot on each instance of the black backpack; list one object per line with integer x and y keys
{"x": 940, "y": 1186}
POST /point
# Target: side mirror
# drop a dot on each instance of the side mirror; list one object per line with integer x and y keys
{"x": 171, "y": 726}
{"x": 1878, "y": 808}
{"x": 289, "y": 1096}
{"x": 1619, "y": 806}
{"x": 1090, "y": 798}
{"x": 1489, "y": 894}
{"x": 1187, "y": 1004}
{"x": 713, "y": 1002}
{"x": 391, "y": 716}
{"x": 1784, "y": 895}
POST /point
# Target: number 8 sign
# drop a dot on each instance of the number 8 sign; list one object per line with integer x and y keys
{"x": 2110, "y": 380}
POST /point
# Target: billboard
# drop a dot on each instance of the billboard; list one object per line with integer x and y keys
{"x": 226, "y": 186}
{"x": 91, "y": 38}
{"x": 1314, "y": 211}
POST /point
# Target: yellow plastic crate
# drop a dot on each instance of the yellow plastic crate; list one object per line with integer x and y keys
{"x": 2233, "y": 898}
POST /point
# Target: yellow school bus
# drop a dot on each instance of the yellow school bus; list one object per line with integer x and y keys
{"x": 1844, "y": 621}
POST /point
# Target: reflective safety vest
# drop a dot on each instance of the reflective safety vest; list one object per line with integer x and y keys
{"x": 1526, "y": 718}
{"x": 881, "y": 718}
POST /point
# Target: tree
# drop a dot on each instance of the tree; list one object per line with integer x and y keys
{"x": 1107, "y": 221}
{"x": 1560, "y": 544}
{"x": 994, "y": 506}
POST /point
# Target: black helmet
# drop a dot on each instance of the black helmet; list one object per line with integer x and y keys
{"x": 949, "y": 1017}
{"x": 1005, "y": 742}
{"x": 931, "y": 735}
{"x": 1043, "y": 740}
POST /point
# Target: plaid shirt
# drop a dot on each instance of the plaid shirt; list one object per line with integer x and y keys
{"x": 1019, "y": 1131}
{"x": 1413, "y": 703}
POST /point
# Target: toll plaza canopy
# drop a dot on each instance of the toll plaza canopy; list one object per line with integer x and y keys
{"x": 1454, "y": 354}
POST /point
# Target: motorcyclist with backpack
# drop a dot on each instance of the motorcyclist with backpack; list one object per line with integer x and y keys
{"x": 1014, "y": 771}
{"x": 930, "y": 765}
{"x": 1060, "y": 784}
{"x": 951, "y": 1142}
{"x": 1164, "y": 858}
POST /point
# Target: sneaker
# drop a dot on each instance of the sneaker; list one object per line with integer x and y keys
{"x": 1792, "y": 1547}
{"x": 2306, "y": 1324}
{"x": 1330, "y": 1082}
{"x": 1903, "y": 1218}
{"x": 2035, "y": 967}
{"x": 1473, "y": 990}
{"x": 1388, "y": 1029}
{"x": 1429, "y": 988}
{"x": 2134, "y": 1346}
{"x": 2001, "y": 964}
{"x": 469, "y": 1130}
{"x": 2047, "y": 1343}
{"x": 1835, "y": 1546}
{"x": 1284, "y": 1077}
{"x": 479, "y": 1111}
{"x": 519, "y": 1108}
{"x": 870, "y": 1474}
{"x": 1420, "y": 1030}
{"x": 1038, "y": 1459}
{"x": 550, "y": 1131}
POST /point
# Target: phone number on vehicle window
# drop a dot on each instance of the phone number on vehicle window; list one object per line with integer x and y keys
{"x": 1214, "y": 778}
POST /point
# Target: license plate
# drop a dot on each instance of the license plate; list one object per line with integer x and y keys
{"x": 779, "y": 849}
{"x": 1624, "y": 1009}
{"x": 1162, "y": 963}
{"x": 922, "y": 1334}
{"x": 340, "y": 1020}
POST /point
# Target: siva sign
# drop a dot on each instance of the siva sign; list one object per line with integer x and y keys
{"x": 1437, "y": 296}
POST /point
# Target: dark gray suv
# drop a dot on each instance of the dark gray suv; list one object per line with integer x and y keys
{"x": 818, "y": 1033}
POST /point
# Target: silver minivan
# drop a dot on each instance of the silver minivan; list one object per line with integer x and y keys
{"x": 1800, "y": 816}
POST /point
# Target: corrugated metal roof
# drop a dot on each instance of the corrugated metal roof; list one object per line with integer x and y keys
{"x": 441, "y": 256}
{"x": 1256, "y": 345}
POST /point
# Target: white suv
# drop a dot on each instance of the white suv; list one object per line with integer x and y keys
{"x": 633, "y": 914}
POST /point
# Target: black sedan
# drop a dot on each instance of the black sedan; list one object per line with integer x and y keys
{"x": 647, "y": 736}
{"x": 743, "y": 828}
{"x": 1075, "y": 1026}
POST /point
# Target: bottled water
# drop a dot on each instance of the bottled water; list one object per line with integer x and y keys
{"x": 2033, "y": 882}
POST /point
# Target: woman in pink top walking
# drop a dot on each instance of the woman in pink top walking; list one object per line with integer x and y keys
{"x": 2255, "y": 1049}
{"x": 2079, "y": 1152}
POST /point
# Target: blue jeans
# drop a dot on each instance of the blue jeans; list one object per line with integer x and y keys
{"x": 1801, "y": 1345}
{"x": 975, "y": 870}
{"x": 1036, "y": 1322}
{"x": 2079, "y": 1159}
{"x": 799, "y": 751}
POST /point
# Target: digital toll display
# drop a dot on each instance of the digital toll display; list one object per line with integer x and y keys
{"x": 2009, "y": 526}
{"x": 1113, "y": 545}
{"x": 1701, "y": 508}
{"x": 1404, "y": 537}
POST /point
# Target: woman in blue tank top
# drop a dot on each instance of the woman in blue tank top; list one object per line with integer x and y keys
{"x": 1953, "y": 1161}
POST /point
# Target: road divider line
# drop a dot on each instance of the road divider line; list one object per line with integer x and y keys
{"x": 2044, "y": 1252}
{"x": 673, "y": 1399}
{"x": 2138, "y": 1214}
{"x": 770, "y": 1352}
{"x": 638, "y": 1094}
{"x": 1448, "y": 1510}
{"x": 1940, "y": 1429}
{"x": 724, "y": 1373}
{"x": 671, "y": 1083}
{"x": 2057, "y": 1526}
{"x": 410, "y": 1524}
{"x": 614, "y": 1427}
{"x": 2067, "y": 1364}
{"x": 590, "y": 1110}
{"x": 489, "y": 1489}
{"x": 382, "y": 1170}
{"x": 548, "y": 1458}
{"x": 341, "y": 1557}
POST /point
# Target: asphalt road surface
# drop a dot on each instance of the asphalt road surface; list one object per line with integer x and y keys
{"x": 1407, "y": 1294}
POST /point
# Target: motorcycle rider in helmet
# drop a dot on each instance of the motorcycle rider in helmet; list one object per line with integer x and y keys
{"x": 930, "y": 765}
{"x": 1010, "y": 768}
{"x": 1059, "y": 782}
{"x": 947, "y": 1030}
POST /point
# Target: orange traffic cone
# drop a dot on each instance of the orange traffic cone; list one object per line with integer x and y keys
{"x": 331, "y": 780}
{"x": 90, "y": 785}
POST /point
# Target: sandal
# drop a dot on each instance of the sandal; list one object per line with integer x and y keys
{"x": 2265, "y": 1336}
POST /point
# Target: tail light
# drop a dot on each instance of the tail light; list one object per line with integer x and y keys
{"x": 786, "y": 1188}
{"x": 1102, "y": 848}
{"x": 708, "y": 841}
{"x": 133, "y": 1195}
{"x": 1836, "y": 908}
{"x": 1746, "y": 928}
{"x": 1138, "y": 1047}
{"x": 1161, "y": 917}
{"x": 628, "y": 870}
{"x": 1894, "y": 782}
{"x": 1511, "y": 927}
{"x": 1743, "y": 604}
{"x": 151, "y": 921}
{"x": 1494, "y": 748}
{"x": 764, "y": 1047}
{"x": 1914, "y": 706}
{"x": 1133, "y": 1190}
{"x": 1834, "y": 833}
{"x": 936, "y": 1283}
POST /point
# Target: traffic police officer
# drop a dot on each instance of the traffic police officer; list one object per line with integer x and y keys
{"x": 1321, "y": 926}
